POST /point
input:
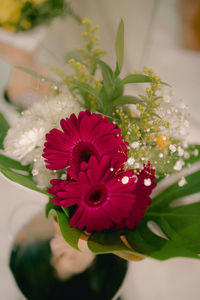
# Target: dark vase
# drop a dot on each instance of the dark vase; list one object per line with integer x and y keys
{"x": 35, "y": 276}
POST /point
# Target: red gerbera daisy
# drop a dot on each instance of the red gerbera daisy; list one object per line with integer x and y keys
{"x": 101, "y": 198}
{"x": 88, "y": 135}
{"x": 144, "y": 186}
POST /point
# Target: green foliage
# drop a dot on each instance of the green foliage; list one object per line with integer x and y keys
{"x": 119, "y": 45}
{"x": 4, "y": 126}
{"x": 126, "y": 100}
{"x": 180, "y": 225}
{"x": 70, "y": 235}
{"x": 15, "y": 171}
{"x": 136, "y": 78}
{"x": 106, "y": 94}
{"x": 33, "y": 15}
{"x": 108, "y": 242}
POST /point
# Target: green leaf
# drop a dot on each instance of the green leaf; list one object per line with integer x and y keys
{"x": 18, "y": 173}
{"x": 155, "y": 115}
{"x": 49, "y": 206}
{"x": 108, "y": 78}
{"x": 36, "y": 75}
{"x": 8, "y": 162}
{"x": 136, "y": 78}
{"x": 70, "y": 235}
{"x": 107, "y": 242}
{"x": 84, "y": 87}
{"x": 117, "y": 70}
{"x": 66, "y": 211}
{"x": 126, "y": 100}
{"x": 4, "y": 126}
{"x": 119, "y": 45}
{"x": 180, "y": 224}
{"x": 24, "y": 180}
{"x": 165, "y": 83}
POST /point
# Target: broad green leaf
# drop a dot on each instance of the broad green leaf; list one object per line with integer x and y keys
{"x": 180, "y": 224}
{"x": 175, "y": 192}
{"x": 107, "y": 242}
{"x": 4, "y": 126}
{"x": 70, "y": 235}
{"x": 18, "y": 173}
{"x": 136, "y": 78}
{"x": 119, "y": 45}
{"x": 126, "y": 100}
{"x": 36, "y": 75}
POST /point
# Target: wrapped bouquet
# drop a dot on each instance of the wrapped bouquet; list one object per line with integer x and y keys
{"x": 117, "y": 169}
{"x": 22, "y": 15}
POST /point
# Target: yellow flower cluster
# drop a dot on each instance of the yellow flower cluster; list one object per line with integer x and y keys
{"x": 10, "y": 13}
{"x": 85, "y": 67}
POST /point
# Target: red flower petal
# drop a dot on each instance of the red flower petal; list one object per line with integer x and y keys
{"x": 88, "y": 135}
{"x": 101, "y": 200}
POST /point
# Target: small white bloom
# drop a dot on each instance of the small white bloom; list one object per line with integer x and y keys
{"x": 182, "y": 181}
{"x": 131, "y": 161}
{"x": 25, "y": 141}
{"x": 125, "y": 179}
{"x": 172, "y": 148}
{"x": 178, "y": 165}
{"x": 135, "y": 145}
{"x": 147, "y": 181}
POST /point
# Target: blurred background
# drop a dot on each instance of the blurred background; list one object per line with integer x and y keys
{"x": 161, "y": 34}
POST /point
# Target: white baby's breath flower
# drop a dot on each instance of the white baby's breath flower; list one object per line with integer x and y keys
{"x": 25, "y": 141}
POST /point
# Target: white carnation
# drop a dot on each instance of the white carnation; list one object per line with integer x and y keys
{"x": 25, "y": 141}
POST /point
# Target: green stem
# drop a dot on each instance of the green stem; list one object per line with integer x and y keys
{"x": 71, "y": 12}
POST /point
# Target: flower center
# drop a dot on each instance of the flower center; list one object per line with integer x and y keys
{"x": 83, "y": 151}
{"x": 97, "y": 195}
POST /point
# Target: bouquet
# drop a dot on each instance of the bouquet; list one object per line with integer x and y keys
{"x": 23, "y": 15}
{"x": 116, "y": 167}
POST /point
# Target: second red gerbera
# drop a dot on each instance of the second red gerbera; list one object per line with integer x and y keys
{"x": 104, "y": 196}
